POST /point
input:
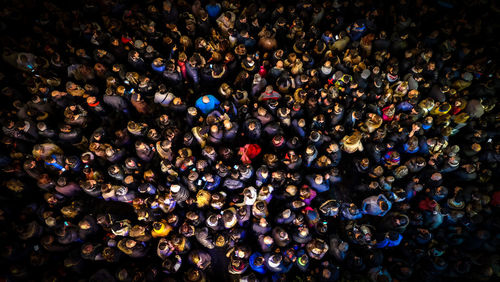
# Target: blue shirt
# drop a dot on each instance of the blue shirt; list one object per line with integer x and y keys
{"x": 404, "y": 106}
{"x": 382, "y": 244}
{"x": 55, "y": 164}
{"x": 426, "y": 126}
{"x": 213, "y": 10}
{"x": 159, "y": 68}
{"x": 406, "y": 147}
{"x": 388, "y": 242}
{"x": 396, "y": 242}
{"x": 208, "y": 107}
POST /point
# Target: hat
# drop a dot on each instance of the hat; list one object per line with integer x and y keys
{"x": 175, "y": 188}
{"x": 303, "y": 260}
{"x": 315, "y": 136}
{"x": 365, "y": 74}
{"x": 213, "y": 220}
{"x": 454, "y": 161}
{"x": 274, "y": 261}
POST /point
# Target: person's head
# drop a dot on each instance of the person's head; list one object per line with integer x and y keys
{"x": 318, "y": 179}
{"x": 431, "y": 66}
{"x": 333, "y": 147}
{"x": 282, "y": 234}
{"x": 278, "y": 140}
{"x": 268, "y": 240}
{"x": 315, "y": 136}
{"x": 436, "y": 176}
{"x": 276, "y": 259}
{"x": 259, "y": 261}
{"x": 286, "y": 213}
{"x": 214, "y": 129}
{"x": 400, "y": 220}
{"x": 269, "y": 89}
{"x": 130, "y": 243}
{"x": 175, "y": 188}
{"x": 84, "y": 225}
{"x": 310, "y": 150}
{"x": 252, "y": 125}
{"x": 476, "y": 147}
{"x": 260, "y": 205}
{"x": 227, "y": 215}
{"x": 227, "y": 124}
{"x": 261, "y": 111}
{"x": 291, "y": 190}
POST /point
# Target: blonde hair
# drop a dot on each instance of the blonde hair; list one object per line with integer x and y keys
{"x": 203, "y": 198}
{"x": 182, "y": 57}
{"x": 185, "y": 41}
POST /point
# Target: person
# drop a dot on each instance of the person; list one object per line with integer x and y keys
{"x": 213, "y": 9}
{"x": 269, "y": 94}
{"x": 207, "y": 104}
{"x": 223, "y": 140}
{"x": 376, "y": 205}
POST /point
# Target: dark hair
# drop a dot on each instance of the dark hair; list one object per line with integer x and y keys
{"x": 157, "y": 225}
{"x": 163, "y": 245}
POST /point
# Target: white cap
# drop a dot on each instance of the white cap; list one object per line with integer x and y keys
{"x": 272, "y": 264}
{"x": 175, "y": 188}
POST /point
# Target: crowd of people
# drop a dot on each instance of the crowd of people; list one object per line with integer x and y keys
{"x": 250, "y": 141}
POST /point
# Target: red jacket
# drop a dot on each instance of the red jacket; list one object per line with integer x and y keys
{"x": 249, "y": 151}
